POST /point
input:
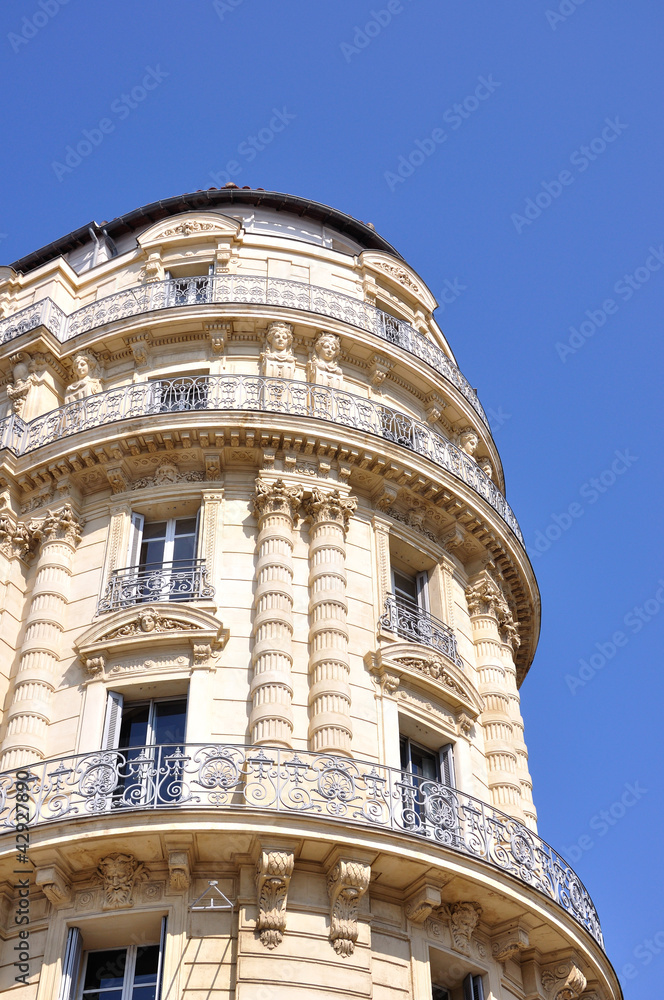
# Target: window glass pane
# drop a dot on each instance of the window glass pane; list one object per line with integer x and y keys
{"x": 424, "y": 764}
{"x": 154, "y": 539}
{"x": 105, "y": 969}
{"x": 134, "y": 729}
{"x": 147, "y": 963}
{"x": 405, "y": 586}
{"x": 143, "y": 992}
{"x": 169, "y": 722}
{"x": 102, "y": 994}
{"x": 184, "y": 547}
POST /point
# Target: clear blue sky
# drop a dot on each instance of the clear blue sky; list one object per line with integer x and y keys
{"x": 354, "y": 104}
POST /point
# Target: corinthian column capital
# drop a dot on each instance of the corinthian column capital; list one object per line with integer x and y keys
{"x": 59, "y": 525}
{"x": 322, "y": 506}
{"x": 276, "y": 498}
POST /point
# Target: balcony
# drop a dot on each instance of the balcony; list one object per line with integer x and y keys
{"x": 408, "y": 620}
{"x": 350, "y": 793}
{"x": 255, "y": 393}
{"x": 242, "y": 289}
{"x": 183, "y": 580}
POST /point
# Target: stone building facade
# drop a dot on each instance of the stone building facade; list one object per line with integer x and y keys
{"x": 265, "y": 615}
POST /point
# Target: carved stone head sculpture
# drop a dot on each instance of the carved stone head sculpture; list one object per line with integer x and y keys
{"x": 277, "y": 358}
{"x": 323, "y": 367}
{"x": 468, "y": 441}
{"x": 118, "y": 873}
{"x": 87, "y": 372}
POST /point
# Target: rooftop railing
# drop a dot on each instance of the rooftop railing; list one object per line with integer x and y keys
{"x": 252, "y": 289}
{"x": 257, "y": 393}
{"x": 217, "y": 777}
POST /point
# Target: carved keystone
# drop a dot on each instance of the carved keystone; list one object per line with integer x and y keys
{"x": 464, "y": 918}
{"x": 273, "y": 876}
{"x": 420, "y": 904}
{"x": 347, "y": 882}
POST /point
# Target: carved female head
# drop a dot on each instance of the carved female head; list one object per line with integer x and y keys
{"x": 327, "y": 347}
{"x": 279, "y": 337}
{"x": 468, "y": 441}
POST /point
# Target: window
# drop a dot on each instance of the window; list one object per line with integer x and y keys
{"x": 186, "y": 290}
{"x": 130, "y": 973}
{"x": 150, "y": 736}
{"x": 162, "y": 563}
{"x": 428, "y": 800}
{"x": 439, "y": 993}
{"x": 178, "y": 393}
{"x": 411, "y": 590}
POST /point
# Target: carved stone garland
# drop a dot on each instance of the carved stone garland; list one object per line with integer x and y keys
{"x": 346, "y": 884}
{"x": 275, "y": 869}
{"x": 329, "y": 668}
{"x": 30, "y": 711}
{"x": 275, "y": 506}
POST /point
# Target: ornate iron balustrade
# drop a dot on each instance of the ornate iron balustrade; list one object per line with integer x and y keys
{"x": 350, "y": 792}
{"x": 221, "y": 288}
{"x": 255, "y": 392}
{"x": 412, "y": 622}
{"x": 182, "y": 580}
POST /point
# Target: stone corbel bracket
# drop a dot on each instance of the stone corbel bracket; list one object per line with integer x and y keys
{"x": 55, "y": 885}
{"x": 563, "y": 981}
{"x": 275, "y": 869}
{"x": 347, "y": 882}
{"x": 179, "y": 871}
{"x": 420, "y": 903}
{"x": 147, "y": 628}
{"x": 508, "y": 940}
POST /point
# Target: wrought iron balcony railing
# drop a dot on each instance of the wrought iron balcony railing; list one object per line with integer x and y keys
{"x": 255, "y": 392}
{"x": 182, "y": 580}
{"x": 349, "y": 792}
{"x": 245, "y": 289}
{"x": 412, "y": 622}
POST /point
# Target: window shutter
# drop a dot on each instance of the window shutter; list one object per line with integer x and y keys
{"x": 160, "y": 967}
{"x": 71, "y": 964}
{"x": 446, "y": 758}
{"x": 198, "y": 547}
{"x": 473, "y": 988}
{"x": 422, "y": 582}
{"x": 135, "y": 539}
{"x": 112, "y": 721}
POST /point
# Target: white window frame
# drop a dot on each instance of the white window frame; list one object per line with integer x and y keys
{"x": 421, "y": 587}
{"x": 136, "y": 530}
{"x": 130, "y": 965}
{"x": 114, "y": 711}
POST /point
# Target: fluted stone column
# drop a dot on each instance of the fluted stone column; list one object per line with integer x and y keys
{"x": 30, "y": 711}
{"x": 489, "y": 614}
{"x": 271, "y": 721}
{"x": 329, "y": 667}
{"x": 518, "y": 742}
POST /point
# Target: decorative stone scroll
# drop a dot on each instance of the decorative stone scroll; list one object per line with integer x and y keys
{"x": 275, "y": 868}
{"x": 275, "y": 506}
{"x": 277, "y": 358}
{"x": 564, "y": 981}
{"x": 421, "y": 903}
{"x": 179, "y": 874}
{"x": 323, "y": 367}
{"x": 329, "y": 666}
{"x": 347, "y": 882}
{"x": 55, "y": 885}
{"x": 508, "y": 943}
{"x": 118, "y": 875}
